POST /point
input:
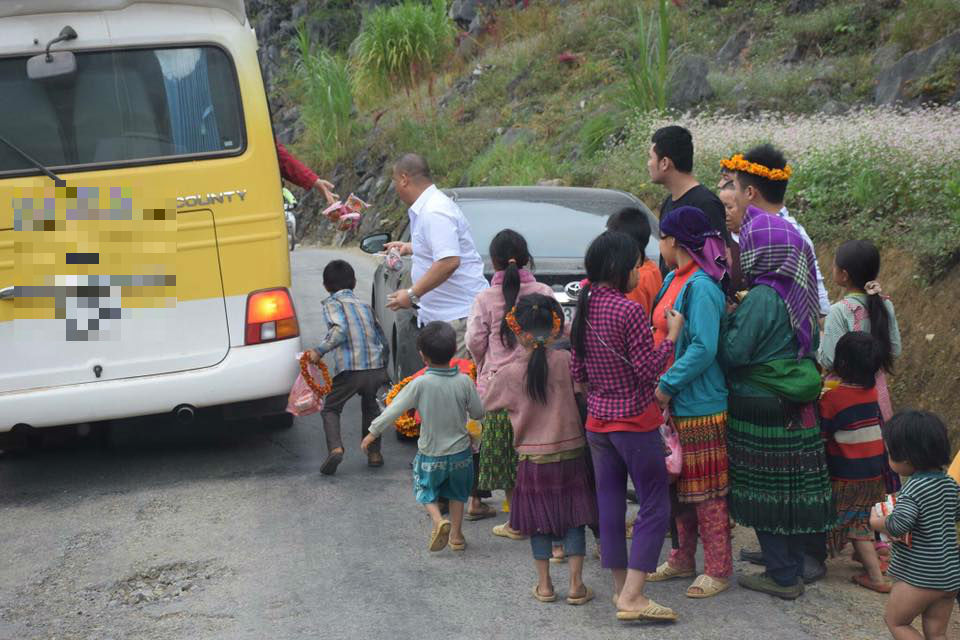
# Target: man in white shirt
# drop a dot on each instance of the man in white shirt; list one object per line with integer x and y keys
{"x": 447, "y": 270}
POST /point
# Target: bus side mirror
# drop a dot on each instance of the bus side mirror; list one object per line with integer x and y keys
{"x": 374, "y": 243}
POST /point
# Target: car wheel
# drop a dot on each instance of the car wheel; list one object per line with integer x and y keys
{"x": 278, "y": 421}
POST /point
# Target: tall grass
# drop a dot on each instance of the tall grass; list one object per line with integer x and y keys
{"x": 327, "y": 109}
{"x": 401, "y": 46}
{"x": 648, "y": 62}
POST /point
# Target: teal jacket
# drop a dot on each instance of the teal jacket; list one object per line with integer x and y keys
{"x": 696, "y": 381}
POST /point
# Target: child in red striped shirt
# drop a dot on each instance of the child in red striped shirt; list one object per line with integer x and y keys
{"x": 850, "y": 420}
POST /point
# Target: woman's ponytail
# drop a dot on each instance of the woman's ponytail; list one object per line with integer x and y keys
{"x": 880, "y": 326}
{"x": 578, "y": 330}
{"x": 509, "y": 254}
{"x": 537, "y": 371}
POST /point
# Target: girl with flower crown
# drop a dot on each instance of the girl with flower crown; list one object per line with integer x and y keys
{"x": 493, "y": 345}
{"x": 554, "y": 495}
{"x": 862, "y": 308}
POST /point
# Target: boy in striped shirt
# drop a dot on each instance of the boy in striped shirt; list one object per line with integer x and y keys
{"x": 358, "y": 348}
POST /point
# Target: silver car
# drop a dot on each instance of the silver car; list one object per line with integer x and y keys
{"x": 558, "y": 224}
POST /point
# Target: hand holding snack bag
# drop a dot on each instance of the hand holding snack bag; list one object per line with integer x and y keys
{"x": 346, "y": 214}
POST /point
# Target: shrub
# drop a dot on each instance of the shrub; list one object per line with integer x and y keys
{"x": 647, "y": 63}
{"x": 401, "y": 46}
{"x": 922, "y": 22}
{"x": 513, "y": 164}
{"x": 328, "y": 101}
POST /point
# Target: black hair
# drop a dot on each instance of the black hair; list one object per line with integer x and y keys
{"x": 535, "y": 314}
{"x": 633, "y": 222}
{"x": 611, "y": 257}
{"x": 861, "y": 260}
{"x": 676, "y": 143}
{"x": 414, "y": 165}
{"x": 509, "y": 253}
{"x": 917, "y": 437}
{"x": 773, "y": 191}
{"x": 438, "y": 341}
{"x": 857, "y": 358}
{"x": 338, "y": 275}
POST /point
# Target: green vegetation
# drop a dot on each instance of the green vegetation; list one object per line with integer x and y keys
{"x": 922, "y": 22}
{"x": 328, "y": 98}
{"x": 512, "y": 164}
{"x": 647, "y": 66}
{"x": 942, "y": 83}
{"x": 401, "y": 46}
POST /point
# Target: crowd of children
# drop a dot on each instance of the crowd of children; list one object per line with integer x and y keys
{"x": 779, "y": 402}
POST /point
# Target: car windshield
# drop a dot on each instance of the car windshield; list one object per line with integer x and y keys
{"x": 551, "y": 231}
{"x": 121, "y": 106}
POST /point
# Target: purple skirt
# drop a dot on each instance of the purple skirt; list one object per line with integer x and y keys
{"x": 553, "y": 497}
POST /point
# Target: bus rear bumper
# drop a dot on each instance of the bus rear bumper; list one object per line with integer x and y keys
{"x": 248, "y": 373}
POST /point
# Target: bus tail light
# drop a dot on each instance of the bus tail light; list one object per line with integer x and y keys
{"x": 270, "y": 316}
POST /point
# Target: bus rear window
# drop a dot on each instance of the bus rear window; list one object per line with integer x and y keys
{"x": 121, "y": 106}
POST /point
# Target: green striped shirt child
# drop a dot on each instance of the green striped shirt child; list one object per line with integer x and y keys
{"x": 928, "y": 507}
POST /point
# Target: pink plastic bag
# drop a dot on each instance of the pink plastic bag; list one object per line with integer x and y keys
{"x": 671, "y": 440}
{"x": 303, "y": 401}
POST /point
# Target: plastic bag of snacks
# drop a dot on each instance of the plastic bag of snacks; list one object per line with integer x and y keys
{"x": 671, "y": 440}
{"x": 346, "y": 215}
{"x": 884, "y": 509}
{"x": 307, "y": 395}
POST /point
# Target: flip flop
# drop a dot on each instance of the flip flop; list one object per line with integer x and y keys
{"x": 652, "y": 611}
{"x": 440, "y": 536}
{"x": 708, "y": 586}
{"x": 584, "y": 599}
{"x": 864, "y": 581}
{"x": 550, "y": 598}
{"x": 488, "y": 512}
{"x": 504, "y": 531}
{"x": 457, "y": 546}
{"x": 666, "y": 572}
{"x": 558, "y": 559}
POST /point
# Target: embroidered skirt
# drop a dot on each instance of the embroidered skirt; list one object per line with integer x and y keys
{"x": 854, "y": 500}
{"x": 779, "y": 481}
{"x": 552, "y": 497}
{"x": 498, "y": 458}
{"x": 704, "y": 474}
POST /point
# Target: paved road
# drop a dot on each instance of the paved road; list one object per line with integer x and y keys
{"x": 229, "y": 531}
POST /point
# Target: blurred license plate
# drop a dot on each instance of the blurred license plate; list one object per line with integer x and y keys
{"x": 569, "y": 312}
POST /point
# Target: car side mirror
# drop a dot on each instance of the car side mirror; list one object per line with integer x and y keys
{"x": 374, "y": 243}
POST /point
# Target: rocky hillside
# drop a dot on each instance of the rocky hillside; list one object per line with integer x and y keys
{"x": 541, "y": 91}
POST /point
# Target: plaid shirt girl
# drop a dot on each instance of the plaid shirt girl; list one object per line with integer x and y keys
{"x": 620, "y": 364}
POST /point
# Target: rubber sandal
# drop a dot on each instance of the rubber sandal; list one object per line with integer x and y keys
{"x": 666, "y": 572}
{"x": 864, "y": 581}
{"x": 550, "y": 598}
{"x": 440, "y": 536}
{"x": 504, "y": 531}
{"x": 457, "y": 546}
{"x": 708, "y": 586}
{"x": 652, "y": 611}
{"x": 558, "y": 560}
{"x": 488, "y": 512}
{"x": 584, "y": 599}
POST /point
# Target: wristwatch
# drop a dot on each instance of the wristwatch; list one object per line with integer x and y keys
{"x": 414, "y": 298}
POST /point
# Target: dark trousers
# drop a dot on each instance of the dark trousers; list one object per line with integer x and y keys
{"x": 815, "y": 546}
{"x": 346, "y": 385}
{"x": 783, "y": 555}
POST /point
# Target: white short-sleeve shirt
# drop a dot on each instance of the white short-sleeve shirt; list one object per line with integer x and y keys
{"x": 438, "y": 230}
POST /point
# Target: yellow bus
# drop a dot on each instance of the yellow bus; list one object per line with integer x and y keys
{"x": 143, "y": 252}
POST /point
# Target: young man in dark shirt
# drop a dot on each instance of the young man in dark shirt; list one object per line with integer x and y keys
{"x": 671, "y": 164}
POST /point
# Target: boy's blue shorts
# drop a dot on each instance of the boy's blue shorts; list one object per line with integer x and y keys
{"x": 449, "y": 477}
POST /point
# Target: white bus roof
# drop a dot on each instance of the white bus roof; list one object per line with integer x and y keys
{"x": 10, "y": 8}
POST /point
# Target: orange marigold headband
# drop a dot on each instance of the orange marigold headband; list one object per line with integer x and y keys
{"x": 738, "y": 163}
{"x": 529, "y": 340}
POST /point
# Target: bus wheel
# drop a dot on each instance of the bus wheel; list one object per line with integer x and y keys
{"x": 278, "y": 421}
